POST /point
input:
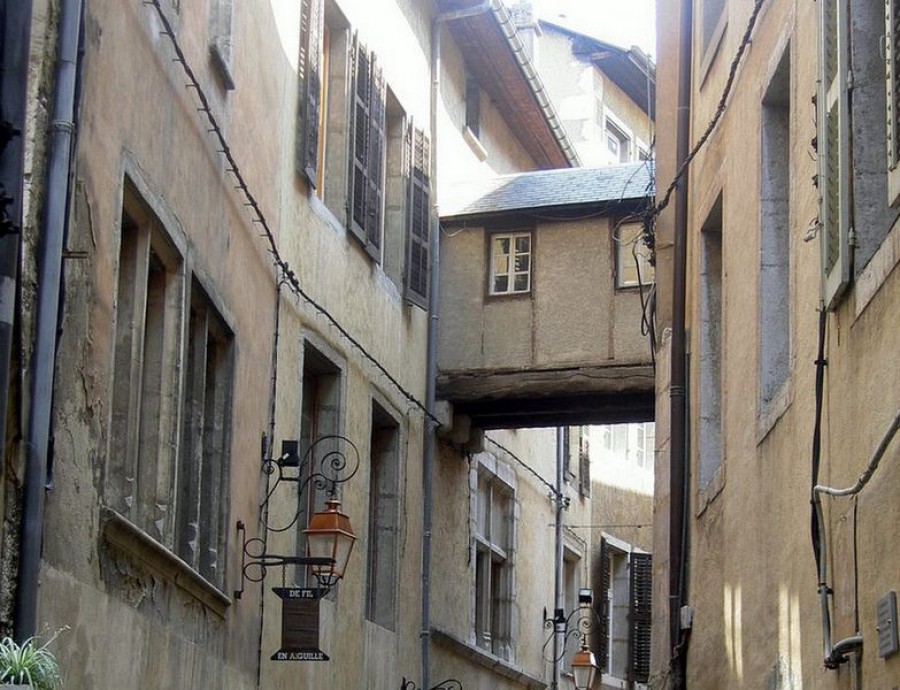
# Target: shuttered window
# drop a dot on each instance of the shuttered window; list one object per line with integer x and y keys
{"x": 833, "y": 149}
{"x": 418, "y": 219}
{"x": 892, "y": 73}
{"x": 366, "y": 179}
{"x": 641, "y": 580}
{"x": 604, "y": 605}
{"x": 311, "y": 79}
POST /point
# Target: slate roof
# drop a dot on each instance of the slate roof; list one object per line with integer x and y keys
{"x": 544, "y": 189}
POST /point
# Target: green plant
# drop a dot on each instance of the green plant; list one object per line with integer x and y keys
{"x": 29, "y": 664}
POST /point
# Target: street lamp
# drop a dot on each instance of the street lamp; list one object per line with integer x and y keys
{"x": 584, "y": 667}
{"x": 329, "y": 540}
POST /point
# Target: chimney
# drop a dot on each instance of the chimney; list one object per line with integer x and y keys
{"x": 526, "y": 22}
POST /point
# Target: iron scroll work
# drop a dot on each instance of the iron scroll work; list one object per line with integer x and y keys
{"x": 577, "y": 627}
{"x": 329, "y": 462}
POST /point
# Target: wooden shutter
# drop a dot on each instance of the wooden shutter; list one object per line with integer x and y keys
{"x": 584, "y": 465}
{"x": 375, "y": 163}
{"x": 833, "y": 148}
{"x": 641, "y": 580}
{"x": 418, "y": 220}
{"x": 892, "y": 74}
{"x": 310, "y": 74}
{"x": 357, "y": 190}
{"x": 603, "y": 605}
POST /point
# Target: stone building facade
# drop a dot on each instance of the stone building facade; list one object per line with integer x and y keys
{"x": 788, "y": 226}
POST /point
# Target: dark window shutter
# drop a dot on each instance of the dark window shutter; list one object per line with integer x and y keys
{"x": 641, "y": 615}
{"x": 418, "y": 220}
{"x": 309, "y": 109}
{"x": 892, "y": 75}
{"x": 375, "y": 167}
{"x": 357, "y": 191}
{"x": 603, "y": 608}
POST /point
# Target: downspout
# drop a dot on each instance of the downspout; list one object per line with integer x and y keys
{"x": 16, "y": 19}
{"x": 431, "y": 357}
{"x": 61, "y": 134}
{"x": 678, "y": 477}
{"x": 559, "y": 614}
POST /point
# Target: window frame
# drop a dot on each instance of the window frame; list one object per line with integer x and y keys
{"x": 621, "y": 258}
{"x": 150, "y": 483}
{"x": 493, "y": 567}
{"x": 510, "y": 273}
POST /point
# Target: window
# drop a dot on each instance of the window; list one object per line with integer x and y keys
{"x": 418, "y": 234}
{"x": 618, "y": 144}
{"x": 624, "y": 610}
{"x": 567, "y": 452}
{"x": 221, "y": 20}
{"x": 633, "y": 267}
{"x": 365, "y": 194}
{"x": 169, "y": 481}
{"x": 571, "y": 581}
{"x": 510, "y": 263}
{"x": 710, "y": 365}
{"x": 383, "y": 541}
{"x": 867, "y": 48}
{"x": 203, "y": 467}
{"x": 832, "y": 108}
{"x": 320, "y": 408}
{"x": 493, "y": 564}
{"x": 313, "y": 77}
{"x": 774, "y": 255}
{"x": 712, "y": 17}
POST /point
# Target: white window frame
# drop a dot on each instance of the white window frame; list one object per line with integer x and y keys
{"x": 510, "y": 273}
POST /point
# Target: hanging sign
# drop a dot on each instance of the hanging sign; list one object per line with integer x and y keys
{"x": 299, "y": 624}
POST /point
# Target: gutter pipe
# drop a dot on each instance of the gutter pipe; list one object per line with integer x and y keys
{"x": 428, "y": 441}
{"x": 559, "y": 616}
{"x": 15, "y": 16}
{"x": 678, "y": 477}
{"x": 62, "y": 137}
{"x": 537, "y": 85}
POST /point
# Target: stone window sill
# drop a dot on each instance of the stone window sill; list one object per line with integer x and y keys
{"x": 497, "y": 665}
{"x": 127, "y": 537}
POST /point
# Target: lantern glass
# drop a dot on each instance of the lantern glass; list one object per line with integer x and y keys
{"x": 329, "y": 535}
{"x": 584, "y": 667}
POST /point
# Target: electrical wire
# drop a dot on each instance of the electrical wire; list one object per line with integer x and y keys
{"x": 553, "y": 492}
{"x": 281, "y": 264}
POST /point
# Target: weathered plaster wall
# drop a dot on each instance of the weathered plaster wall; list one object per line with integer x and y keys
{"x": 752, "y": 582}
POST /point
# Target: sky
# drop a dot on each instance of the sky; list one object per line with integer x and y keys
{"x": 621, "y": 22}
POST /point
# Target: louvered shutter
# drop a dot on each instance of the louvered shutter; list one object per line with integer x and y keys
{"x": 641, "y": 580}
{"x": 892, "y": 74}
{"x": 357, "y": 191}
{"x": 375, "y": 167}
{"x": 418, "y": 220}
{"x": 584, "y": 466}
{"x": 603, "y": 604}
{"x": 833, "y": 148}
{"x": 310, "y": 75}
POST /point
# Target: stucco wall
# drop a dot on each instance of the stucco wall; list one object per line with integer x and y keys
{"x": 752, "y": 577}
{"x": 573, "y": 314}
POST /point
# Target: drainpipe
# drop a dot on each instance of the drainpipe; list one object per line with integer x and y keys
{"x": 678, "y": 477}
{"x": 431, "y": 362}
{"x": 61, "y": 134}
{"x": 15, "y": 16}
{"x": 559, "y": 617}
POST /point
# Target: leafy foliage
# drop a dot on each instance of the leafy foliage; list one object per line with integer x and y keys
{"x": 29, "y": 664}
